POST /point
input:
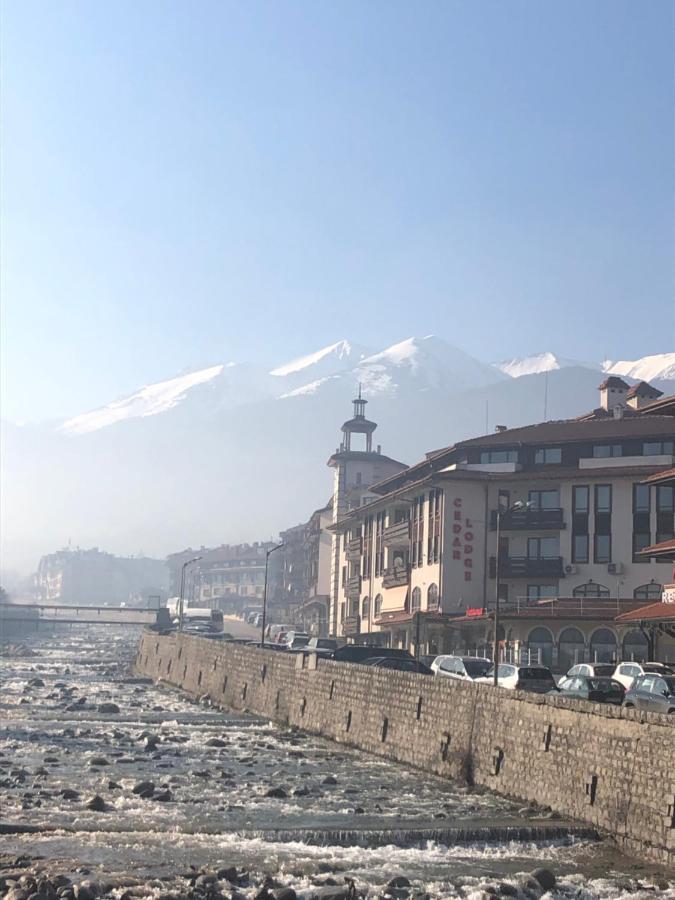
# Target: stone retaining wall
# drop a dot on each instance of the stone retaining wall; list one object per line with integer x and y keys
{"x": 609, "y": 767}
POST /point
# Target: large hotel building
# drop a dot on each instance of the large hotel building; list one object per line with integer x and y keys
{"x": 551, "y": 518}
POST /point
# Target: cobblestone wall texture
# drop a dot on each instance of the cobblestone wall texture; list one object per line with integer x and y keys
{"x": 609, "y": 767}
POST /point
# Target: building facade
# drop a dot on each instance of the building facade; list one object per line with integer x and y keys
{"x": 555, "y": 510}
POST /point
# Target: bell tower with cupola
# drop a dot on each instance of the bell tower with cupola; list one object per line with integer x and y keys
{"x": 357, "y": 466}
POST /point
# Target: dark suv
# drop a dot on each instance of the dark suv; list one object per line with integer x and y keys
{"x": 653, "y": 693}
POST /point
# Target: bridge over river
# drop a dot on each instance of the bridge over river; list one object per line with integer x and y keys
{"x": 38, "y": 613}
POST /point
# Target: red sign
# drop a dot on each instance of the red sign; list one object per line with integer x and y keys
{"x": 475, "y": 611}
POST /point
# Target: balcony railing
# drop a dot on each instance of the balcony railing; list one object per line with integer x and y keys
{"x": 528, "y": 520}
{"x": 396, "y": 577}
{"x": 397, "y": 535}
{"x": 527, "y": 567}
{"x": 354, "y": 548}
{"x": 352, "y": 625}
{"x": 354, "y": 587}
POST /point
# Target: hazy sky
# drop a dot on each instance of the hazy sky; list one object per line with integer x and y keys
{"x": 186, "y": 183}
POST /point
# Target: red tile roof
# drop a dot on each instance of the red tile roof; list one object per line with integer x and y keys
{"x": 665, "y": 477}
{"x": 644, "y": 389}
{"x": 664, "y": 549}
{"x": 613, "y": 382}
{"x": 655, "y": 612}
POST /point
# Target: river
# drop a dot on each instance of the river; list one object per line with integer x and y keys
{"x": 228, "y": 790}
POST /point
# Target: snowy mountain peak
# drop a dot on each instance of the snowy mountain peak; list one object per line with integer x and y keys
{"x": 538, "y": 363}
{"x": 148, "y": 401}
{"x": 649, "y": 368}
{"x": 342, "y": 350}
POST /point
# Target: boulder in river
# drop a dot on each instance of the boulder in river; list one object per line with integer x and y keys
{"x": 329, "y": 779}
{"x": 99, "y": 761}
{"x": 69, "y": 794}
{"x": 545, "y": 877}
{"x": 163, "y": 796}
{"x": 143, "y": 787}
{"x": 216, "y": 742}
{"x": 277, "y": 792}
{"x": 108, "y": 708}
{"x": 97, "y": 804}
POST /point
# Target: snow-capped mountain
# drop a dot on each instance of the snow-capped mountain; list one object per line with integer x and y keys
{"x": 340, "y": 355}
{"x": 538, "y": 363}
{"x": 660, "y": 366}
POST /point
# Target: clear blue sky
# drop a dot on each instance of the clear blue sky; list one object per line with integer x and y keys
{"x": 186, "y": 183}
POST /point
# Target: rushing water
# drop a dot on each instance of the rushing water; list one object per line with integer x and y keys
{"x": 338, "y": 814}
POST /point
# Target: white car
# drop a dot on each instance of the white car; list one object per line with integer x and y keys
{"x": 467, "y": 668}
{"x": 627, "y": 672}
{"x": 537, "y": 679}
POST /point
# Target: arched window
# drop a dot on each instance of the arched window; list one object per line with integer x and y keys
{"x": 603, "y": 646}
{"x": 365, "y": 608}
{"x": 432, "y": 596}
{"x": 651, "y": 591}
{"x": 416, "y": 599}
{"x": 635, "y": 647}
{"x": 591, "y": 589}
{"x": 378, "y": 606}
{"x": 540, "y": 645}
{"x": 570, "y": 648}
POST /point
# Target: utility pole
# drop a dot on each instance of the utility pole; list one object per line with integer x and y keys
{"x": 268, "y": 553}
{"x": 182, "y": 589}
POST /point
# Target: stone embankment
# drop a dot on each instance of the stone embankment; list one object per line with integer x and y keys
{"x": 608, "y": 767}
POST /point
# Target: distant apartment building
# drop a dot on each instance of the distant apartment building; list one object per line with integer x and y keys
{"x": 556, "y": 510}
{"x": 94, "y": 578}
{"x": 231, "y": 576}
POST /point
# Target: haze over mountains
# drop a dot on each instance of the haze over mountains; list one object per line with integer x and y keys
{"x": 237, "y": 451}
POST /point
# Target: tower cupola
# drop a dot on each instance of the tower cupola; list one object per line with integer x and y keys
{"x": 358, "y": 424}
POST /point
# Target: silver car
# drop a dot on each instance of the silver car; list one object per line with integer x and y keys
{"x": 537, "y": 679}
{"x": 467, "y": 668}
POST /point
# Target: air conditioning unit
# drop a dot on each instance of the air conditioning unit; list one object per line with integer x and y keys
{"x": 571, "y": 570}
{"x": 614, "y": 568}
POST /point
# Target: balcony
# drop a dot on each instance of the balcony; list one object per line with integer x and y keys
{"x": 528, "y": 520}
{"x": 396, "y": 577}
{"x": 352, "y": 625}
{"x": 354, "y": 549}
{"x": 397, "y": 535}
{"x": 527, "y": 567}
{"x": 354, "y": 587}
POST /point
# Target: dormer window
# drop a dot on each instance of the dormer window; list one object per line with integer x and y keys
{"x": 548, "y": 456}
{"x": 488, "y": 457}
{"x": 606, "y": 451}
{"x": 657, "y": 448}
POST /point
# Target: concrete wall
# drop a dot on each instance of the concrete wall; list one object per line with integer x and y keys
{"x": 609, "y": 767}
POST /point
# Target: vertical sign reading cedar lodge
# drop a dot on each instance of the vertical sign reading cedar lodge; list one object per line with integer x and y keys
{"x": 463, "y": 539}
{"x": 463, "y": 570}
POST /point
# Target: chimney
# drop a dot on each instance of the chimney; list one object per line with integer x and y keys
{"x": 641, "y": 394}
{"x": 613, "y": 392}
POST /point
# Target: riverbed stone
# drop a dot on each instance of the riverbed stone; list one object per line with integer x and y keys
{"x": 545, "y": 877}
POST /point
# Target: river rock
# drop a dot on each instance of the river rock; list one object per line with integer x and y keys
{"x": 36, "y": 682}
{"x": 228, "y": 873}
{"x": 545, "y": 877}
{"x": 507, "y": 890}
{"x": 277, "y": 792}
{"x": 216, "y": 742}
{"x": 97, "y": 804}
{"x": 163, "y": 796}
{"x": 108, "y": 708}
{"x": 69, "y": 794}
{"x": 99, "y": 761}
{"x": 397, "y": 883}
{"x": 143, "y": 787}
{"x": 286, "y": 894}
{"x": 330, "y": 779}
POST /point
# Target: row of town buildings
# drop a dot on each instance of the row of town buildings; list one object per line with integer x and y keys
{"x": 552, "y": 519}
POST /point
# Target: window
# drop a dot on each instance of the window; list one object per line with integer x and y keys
{"x": 367, "y": 546}
{"x": 434, "y": 526}
{"x": 377, "y": 608}
{"x": 657, "y": 448}
{"x": 498, "y": 456}
{"x": 642, "y": 535}
{"x": 416, "y": 599}
{"x": 580, "y": 548}
{"x": 602, "y": 544}
{"x": 604, "y": 451}
{"x": 591, "y": 589}
{"x": 417, "y": 531}
{"x": 651, "y": 591}
{"x": 580, "y": 504}
{"x": 541, "y": 591}
{"x": 365, "y": 608}
{"x": 379, "y": 543}
{"x": 665, "y": 514}
{"x": 432, "y": 596}
{"x": 544, "y": 499}
{"x": 547, "y": 455}
{"x": 543, "y": 548}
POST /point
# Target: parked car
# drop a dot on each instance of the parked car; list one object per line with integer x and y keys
{"x": 399, "y": 664}
{"x": 653, "y": 693}
{"x": 599, "y": 689}
{"x": 468, "y": 668}
{"x": 321, "y": 646}
{"x": 295, "y": 640}
{"x": 627, "y": 672}
{"x": 357, "y": 653}
{"x": 428, "y": 658}
{"x": 597, "y": 670}
{"x": 537, "y": 679}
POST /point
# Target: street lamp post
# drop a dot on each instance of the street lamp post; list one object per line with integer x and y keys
{"x": 182, "y": 589}
{"x": 268, "y": 553}
{"x": 495, "y": 650}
